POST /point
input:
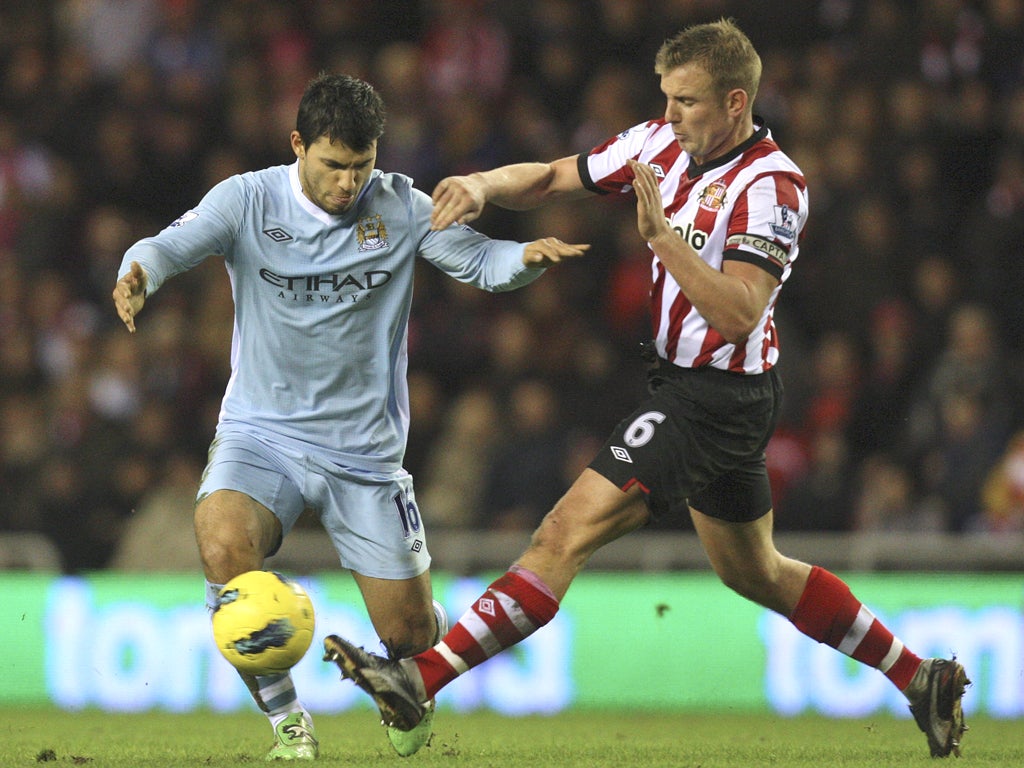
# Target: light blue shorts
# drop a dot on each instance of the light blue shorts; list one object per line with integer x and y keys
{"x": 372, "y": 518}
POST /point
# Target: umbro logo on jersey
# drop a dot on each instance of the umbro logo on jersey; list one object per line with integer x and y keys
{"x": 658, "y": 170}
{"x": 621, "y": 454}
{"x": 278, "y": 235}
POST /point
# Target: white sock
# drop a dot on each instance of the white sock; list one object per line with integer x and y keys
{"x": 277, "y": 694}
{"x": 275, "y": 720}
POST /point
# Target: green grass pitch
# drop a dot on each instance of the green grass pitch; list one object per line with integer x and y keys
{"x": 570, "y": 740}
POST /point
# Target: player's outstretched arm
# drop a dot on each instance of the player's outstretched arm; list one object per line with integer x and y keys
{"x": 518, "y": 187}
{"x": 458, "y": 199}
{"x": 130, "y": 295}
{"x": 549, "y": 251}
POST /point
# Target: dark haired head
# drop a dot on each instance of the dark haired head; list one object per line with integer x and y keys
{"x": 342, "y": 108}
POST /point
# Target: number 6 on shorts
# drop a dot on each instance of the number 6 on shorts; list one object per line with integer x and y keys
{"x": 641, "y": 430}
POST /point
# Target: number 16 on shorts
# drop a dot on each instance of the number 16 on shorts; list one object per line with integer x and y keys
{"x": 408, "y": 514}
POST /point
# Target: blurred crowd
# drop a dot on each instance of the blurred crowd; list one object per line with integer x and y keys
{"x": 901, "y": 323}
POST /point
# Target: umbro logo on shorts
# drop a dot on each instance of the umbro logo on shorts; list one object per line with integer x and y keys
{"x": 621, "y": 454}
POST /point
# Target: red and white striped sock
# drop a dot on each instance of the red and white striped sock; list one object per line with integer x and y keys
{"x": 829, "y": 613}
{"x": 513, "y": 608}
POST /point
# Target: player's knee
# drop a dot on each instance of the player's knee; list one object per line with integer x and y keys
{"x": 225, "y": 558}
{"x": 233, "y": 532}
{"x": 227, "y": 550}
{"x": 409, "y": 634}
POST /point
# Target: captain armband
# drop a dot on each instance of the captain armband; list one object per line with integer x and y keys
{"x": 771, "y": 249}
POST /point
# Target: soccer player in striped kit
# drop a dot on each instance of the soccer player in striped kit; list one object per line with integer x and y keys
{"x": 722, "y": 209}
{"x": 321, "y": 255}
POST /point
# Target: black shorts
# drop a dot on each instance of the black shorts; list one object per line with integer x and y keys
{"x": 698, "y": 440}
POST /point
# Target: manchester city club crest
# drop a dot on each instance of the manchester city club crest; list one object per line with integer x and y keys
{"x": 371, "y": 233}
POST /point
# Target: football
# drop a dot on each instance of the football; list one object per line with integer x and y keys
{"x": 263, "y": 622}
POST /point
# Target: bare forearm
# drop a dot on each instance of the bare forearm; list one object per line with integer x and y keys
{"x": 733, "y": 299}
{"x": 731, "y": 305}
{"x": 518, "y": 187}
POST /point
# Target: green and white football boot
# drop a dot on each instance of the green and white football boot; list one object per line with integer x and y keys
{"x": 294, "y": 739}
{"x": 410, "y": 742}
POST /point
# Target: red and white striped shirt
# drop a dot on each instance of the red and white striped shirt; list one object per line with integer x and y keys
{"x": 750, "y": 204}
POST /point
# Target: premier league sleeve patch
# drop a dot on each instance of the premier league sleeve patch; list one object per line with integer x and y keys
{"x": 785, "y": 224}
{"x": 185, "y": 218}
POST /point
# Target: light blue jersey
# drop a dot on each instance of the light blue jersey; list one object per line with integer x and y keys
{"x": 319, "y": 349}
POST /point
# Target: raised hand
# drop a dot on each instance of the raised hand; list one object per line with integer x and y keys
{"x": 130, "y": 294}
{"x": 457, "y": 199}
{"x": 549, "y": 251}
{"x": 650, "y": 211}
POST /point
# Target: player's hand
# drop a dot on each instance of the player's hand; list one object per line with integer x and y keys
{"x": 457, "y": 199}
{"x": 550, "y": 251}
{"x": 130, "y": 295}
{"x": 650, "y": 212}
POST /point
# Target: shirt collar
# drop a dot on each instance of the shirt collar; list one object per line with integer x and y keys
{"x": 314, "y": 209}
{"x": 760, "y": 132}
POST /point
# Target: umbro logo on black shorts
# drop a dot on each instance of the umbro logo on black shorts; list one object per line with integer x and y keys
{"x": 621, "y": 454}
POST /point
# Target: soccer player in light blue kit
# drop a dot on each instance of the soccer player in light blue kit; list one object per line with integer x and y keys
{"x": 321, "y": 254}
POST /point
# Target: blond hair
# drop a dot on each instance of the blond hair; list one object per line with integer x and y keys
{"x": 721, "y": 49}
